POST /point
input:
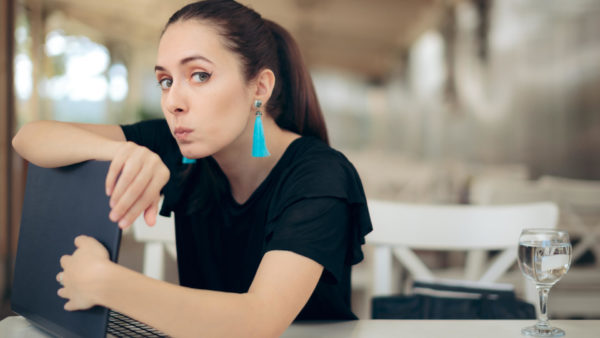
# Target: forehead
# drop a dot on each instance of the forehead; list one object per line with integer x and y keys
{"x": 192, "y": 37}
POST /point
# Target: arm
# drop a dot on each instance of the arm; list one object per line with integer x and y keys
{"x": 136, "y": 174}
{"x": 55, "y": 144}
{"x": 282, "y": 285}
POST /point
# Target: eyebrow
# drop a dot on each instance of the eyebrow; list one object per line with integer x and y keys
{"x": 184, "y": 61}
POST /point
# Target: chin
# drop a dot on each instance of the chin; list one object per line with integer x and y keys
{"x": 194, "y": 151}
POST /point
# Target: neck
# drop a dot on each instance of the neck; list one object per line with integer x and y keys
{"x": 244, "y": 172}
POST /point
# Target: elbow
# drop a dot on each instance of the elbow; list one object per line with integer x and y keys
{"x": 25, "y": 140}
{"x": 21, "y": 138}
{"x": 268, "y": 329}
{"x": 265, "y": 329}
{"x": 17, "y": 140}
{"x": 261, "y": 321}
{"x": 274, "y": 332}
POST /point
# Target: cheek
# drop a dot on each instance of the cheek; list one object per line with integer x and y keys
{"x": 237, "y": 110}
{"x": 229, "y": 112}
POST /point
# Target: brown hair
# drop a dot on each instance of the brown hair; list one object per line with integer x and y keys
{"x": 263, "y": 44}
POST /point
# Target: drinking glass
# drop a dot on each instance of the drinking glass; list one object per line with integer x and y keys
{"x": 544, "y": 257}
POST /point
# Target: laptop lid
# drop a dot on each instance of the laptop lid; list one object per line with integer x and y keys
{"x": 59, "y": 205}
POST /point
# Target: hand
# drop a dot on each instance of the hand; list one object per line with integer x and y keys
{"x": 134, "y": 180}
{"x": 82, "y": 272}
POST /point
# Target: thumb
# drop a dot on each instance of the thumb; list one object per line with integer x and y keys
{"x": 82, "y": 240}
{"x": 150, "y": 213}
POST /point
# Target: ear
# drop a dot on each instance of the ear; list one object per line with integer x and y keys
{"x": 264, "y": 84}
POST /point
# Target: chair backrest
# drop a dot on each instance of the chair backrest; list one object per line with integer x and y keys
{"x": 406, "y": 227}
{"x": 495, "y": 190}
{"x": 575, "y": 192}
{"x": 158, "y": 240}
{"x": 163, "y": 231}
{"x": 579, "y": 201}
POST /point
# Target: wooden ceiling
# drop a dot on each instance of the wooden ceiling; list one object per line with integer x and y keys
{"x": 366, "y": 37}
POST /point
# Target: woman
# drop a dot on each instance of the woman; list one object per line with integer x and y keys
{"x": 261, "y": 241}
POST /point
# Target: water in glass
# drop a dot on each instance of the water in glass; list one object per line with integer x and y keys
{"x": 544, "y": 263}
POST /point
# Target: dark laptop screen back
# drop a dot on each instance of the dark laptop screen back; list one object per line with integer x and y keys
{"x": 59, "y": 205}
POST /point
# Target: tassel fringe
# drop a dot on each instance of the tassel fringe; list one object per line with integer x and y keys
{"x": 186, "y": 160}
{"x": 259, "y": 146}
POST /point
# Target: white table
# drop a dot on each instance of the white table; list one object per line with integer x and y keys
{"x": 18, "y": 327}
{"x": 436, "y": 328}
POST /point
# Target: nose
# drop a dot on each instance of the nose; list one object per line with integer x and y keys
{"x": 176, "y": 100}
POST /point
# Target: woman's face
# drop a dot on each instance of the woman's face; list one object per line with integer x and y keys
{"x": 205, "y": 98}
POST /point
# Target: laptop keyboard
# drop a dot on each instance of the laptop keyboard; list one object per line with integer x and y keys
{"x": 119, "y": 325}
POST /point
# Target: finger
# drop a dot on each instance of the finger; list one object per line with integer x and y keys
{"x": 63, "y": 261}
{"x": 59, "y": 277}
{"x": 91, "y": 245}
{"x": 83, "y": 240}
{"x": 130, "y": 175}
{"x": 143, "y": 202}
{"x": 132, "y": 163}
{"x": 151, "y": 212}
{"x": 126, "y": 195}
{"x": 79, "y": 241}
{"x": 116, "y": 166}
{"x": 62, "y": 293}
{"x": 70, "y": 306}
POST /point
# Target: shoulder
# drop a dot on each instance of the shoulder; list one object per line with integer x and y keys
{"x": 312, "y": 158}
{"x": 313, "y": 170}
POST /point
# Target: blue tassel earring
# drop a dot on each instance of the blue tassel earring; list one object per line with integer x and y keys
{"x": 259, "y": 146}
{"x": 186, "y": 160}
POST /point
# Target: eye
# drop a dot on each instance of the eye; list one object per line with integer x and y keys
{"x": 165, "y": 83}
{"x": 201, "y": 76}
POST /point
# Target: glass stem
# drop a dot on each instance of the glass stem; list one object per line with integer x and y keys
{"x": 543, "y": 316}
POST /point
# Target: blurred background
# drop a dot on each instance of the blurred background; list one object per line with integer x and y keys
{"x": 423, "y": 96}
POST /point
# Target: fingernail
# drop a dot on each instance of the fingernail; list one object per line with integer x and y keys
{"x": 122, "y": 223}
{"x": 113, "y": 216}
{"x": 112, "y": 203}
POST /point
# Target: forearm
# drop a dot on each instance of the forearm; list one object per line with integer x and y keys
{"x": 180, "y": 311}
{"x": 54, "y": 144}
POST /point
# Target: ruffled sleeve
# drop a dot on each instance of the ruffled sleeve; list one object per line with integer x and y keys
{"x": 325, "y": 175}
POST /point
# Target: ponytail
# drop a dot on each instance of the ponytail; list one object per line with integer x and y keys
{"x": 294, "y": 100}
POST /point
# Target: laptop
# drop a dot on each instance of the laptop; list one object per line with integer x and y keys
{"x": 60, "y": 204}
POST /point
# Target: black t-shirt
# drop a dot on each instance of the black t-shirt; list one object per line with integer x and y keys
{"x": 311, "y": 203}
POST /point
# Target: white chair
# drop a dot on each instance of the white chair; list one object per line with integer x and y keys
{"x": 502, "y": 190}
{"x": 578, "y": 293}
{"x": 158, "y": 240}
{"x": 399, "y": 228}
{"x": 579, "y": 201}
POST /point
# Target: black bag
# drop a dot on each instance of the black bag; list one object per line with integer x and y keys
{"x": 439, "y": 300}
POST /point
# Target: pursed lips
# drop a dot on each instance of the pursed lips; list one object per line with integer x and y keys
{"x": 181, "y": 133}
